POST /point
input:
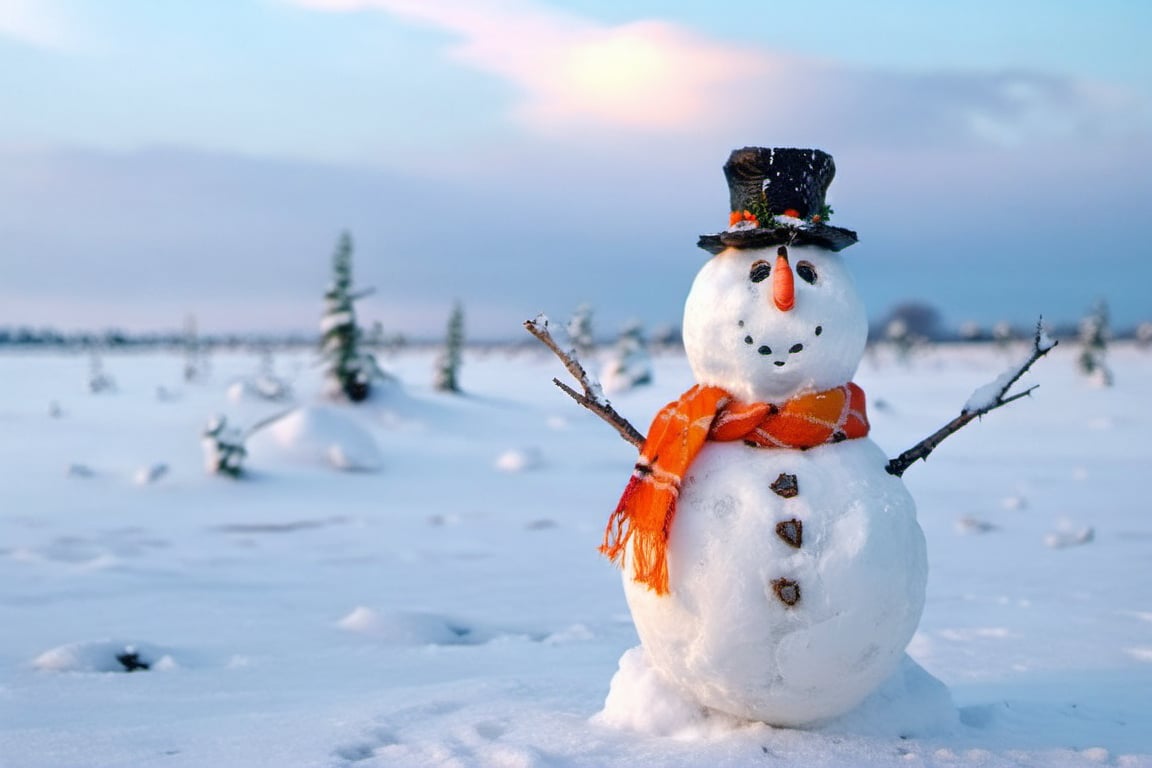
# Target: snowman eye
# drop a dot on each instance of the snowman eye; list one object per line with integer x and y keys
{"x": 807, "y": 272}
{"x": 760, "y": 271}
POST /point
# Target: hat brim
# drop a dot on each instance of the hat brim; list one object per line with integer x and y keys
{"x": 820, "y": 235}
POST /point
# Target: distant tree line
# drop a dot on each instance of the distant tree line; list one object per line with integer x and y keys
{"x": 26, "y": 336}
{"x": 917, "y": 320}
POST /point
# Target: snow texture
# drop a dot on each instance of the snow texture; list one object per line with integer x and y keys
{"x": 324, "y": 435}
{"x": 410, "y": 628}
{"x": 1047, "y": 653}
{"x": 152, "y": 473}
{"x": 519, "y": 460}
{"x": 987, "y": 395}
{"x": 262, "y": 387}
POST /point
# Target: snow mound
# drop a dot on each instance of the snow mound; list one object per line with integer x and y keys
{"x": 411, "y": 628}
{"x": 259, "y": 389}
{"x": 322, "y": 435}
{"x": 519, "y": 460}
{"x": 1015, "y": 502}
{"x": 640, "y": 700}
{"x": 1066, "y": 536}
{"x": 104, "y": 656}
{"x": 912, "y": 703}
{"x": 150, "y": 474}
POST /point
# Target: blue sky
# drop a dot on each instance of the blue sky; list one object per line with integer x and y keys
{"x": 166, "y": 158}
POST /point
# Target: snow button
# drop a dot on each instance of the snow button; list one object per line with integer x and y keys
{"x": 792, "y": 531}
{"x": 787, "y": 590}
{"x": 785, "y": 485}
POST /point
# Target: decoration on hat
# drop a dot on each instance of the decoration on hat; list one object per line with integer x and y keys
{"x": 777, "y": 198}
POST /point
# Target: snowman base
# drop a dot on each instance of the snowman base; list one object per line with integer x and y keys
{"x": 911, "y": 703}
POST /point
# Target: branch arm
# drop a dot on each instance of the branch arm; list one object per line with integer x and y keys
{"x": 609, "y": 414}
{"x": 995, "y": 395}
{"x": 591, "y": 398}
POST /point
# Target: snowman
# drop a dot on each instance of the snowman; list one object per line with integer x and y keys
{"x": 774, "y": 569}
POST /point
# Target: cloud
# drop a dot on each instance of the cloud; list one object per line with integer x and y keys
{"x": 957, "y": 109}
{"x": 35, "y": 22}
{"x": 573, "y": 74}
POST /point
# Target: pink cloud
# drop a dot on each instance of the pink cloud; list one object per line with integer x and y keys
{"x": 572, "y": 73}
{"x": 654, "y": 78}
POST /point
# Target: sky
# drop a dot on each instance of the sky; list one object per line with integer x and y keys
{"x": 166, "y": 159}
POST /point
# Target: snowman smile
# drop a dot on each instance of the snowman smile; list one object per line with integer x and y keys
{"x": 766, "y": 350}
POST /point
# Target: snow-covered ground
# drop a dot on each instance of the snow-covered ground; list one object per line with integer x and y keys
{"x": 415, "y": 581}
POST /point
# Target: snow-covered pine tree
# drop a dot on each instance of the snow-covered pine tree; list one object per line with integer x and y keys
{"x": 348, "y": 370}
{"x": 98, "y": 380}
{"x": 224, "y": 449}
{"x": 580, "y": 332}
{"x": 1094, "y": 335}
{"x": 1004, "y": 335}
{"x": 628, "y": 364}
{"x": 910, "y": 326}
{"x": 266, "y": 384}
{"x": 448, "y": 363}
{"x": 192, "y": 350}
{"x": 897, "y": 333}
{"x": 1144, "y": 334}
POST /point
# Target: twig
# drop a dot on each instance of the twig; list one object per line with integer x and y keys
{"x": 988, "y": 398}
{"x": 265, "y": 422}
{"x": 592, "y": 399}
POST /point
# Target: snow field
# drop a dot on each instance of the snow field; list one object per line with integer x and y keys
{"x": 450, "y": 608}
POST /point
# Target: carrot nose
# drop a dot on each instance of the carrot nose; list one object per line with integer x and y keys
{"x": 783, "y": 282}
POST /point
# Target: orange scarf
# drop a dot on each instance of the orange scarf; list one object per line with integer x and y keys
{"x": 644, "y": 514}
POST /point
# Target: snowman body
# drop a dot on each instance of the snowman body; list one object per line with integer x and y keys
{"x": 796, "y": 577}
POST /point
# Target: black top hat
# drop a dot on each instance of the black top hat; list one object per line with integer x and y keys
{"x": 774, "y": 182}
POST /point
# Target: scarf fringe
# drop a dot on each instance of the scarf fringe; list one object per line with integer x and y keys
{"x": 649, "y": 547}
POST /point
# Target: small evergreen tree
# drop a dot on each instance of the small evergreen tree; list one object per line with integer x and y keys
{"x": 448, "y": 363}
{"x": 911, "y": 326}
{"x": 224, "y": 450}
{"x": 1144, "y": 334}
{"x": 1094, "y": 335}
{"x": 267, "y": 385}
{"x": 1003, "y": 334}
{"x": 970, "y": 330}
{"x": 349, "y": 371}
{"x": 580, "y": 332}
{"x": 628, "y": 365}
{"x": 192, "y": 368}
{"x": 98, "y": 380}
{"x": 897, "y": 334}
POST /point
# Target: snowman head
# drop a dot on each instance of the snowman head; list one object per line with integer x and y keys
{"x": 745, "y": 333}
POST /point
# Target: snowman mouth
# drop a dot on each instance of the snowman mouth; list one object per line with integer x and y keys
{"x": 766, "y": 350}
